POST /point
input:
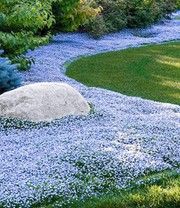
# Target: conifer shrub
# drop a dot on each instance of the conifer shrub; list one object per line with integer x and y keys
{"x": 9, "y": 77}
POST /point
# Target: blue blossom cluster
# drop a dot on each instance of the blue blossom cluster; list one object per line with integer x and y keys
{"x": 79, "y": 156}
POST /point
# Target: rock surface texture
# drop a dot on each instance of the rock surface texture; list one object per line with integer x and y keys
{"x": 43, "y": 102}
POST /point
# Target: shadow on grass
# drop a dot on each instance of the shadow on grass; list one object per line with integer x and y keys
{"x": 151, "y": 72}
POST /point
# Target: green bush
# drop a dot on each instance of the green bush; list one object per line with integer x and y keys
{"x": 111, "y": 19}
{"x": 23, "y": 62}
{"x": 16, "y": 44}
{"x": 118, "y": 14}
{"x": 178, "y": 4}
{"x": 69, "y": 15}
{"x": 25, "y": 15}
{"x": 27, "y": 24}
{"x": 97, "y": 27}
{"x": 37, "y": 16}
{"x": 20, "y": 26}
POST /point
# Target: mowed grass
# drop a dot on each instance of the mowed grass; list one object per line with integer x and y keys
{"x": 160, "y": 190}
{"x": 164, "y": 193}
{"x": 151, "y": 72}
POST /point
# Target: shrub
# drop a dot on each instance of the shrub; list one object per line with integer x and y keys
{"x": 17, "y": 43}
{"x": 142, "y": 13}
{"x": 111, "y": 19}
{"x": 167, "y": 6}
{"x": 23, "y": 62}
{"x": 25, "y": 15}
{"x": 27, "y": 24}
{"x": 14, "y": 45}
{"x": 118, "y": 14}
{"x": 177, "y": 4}
{"x": 69, "y": 15}
{"x": 9, "y": 78}
{"x": 97, "y": 27}
{"x": 20, "y": 26}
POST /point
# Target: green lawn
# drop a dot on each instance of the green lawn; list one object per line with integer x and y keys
{"x": 151, "y": 72}
{"x": 159, "y": 190}
{"x": 165, "y": 193}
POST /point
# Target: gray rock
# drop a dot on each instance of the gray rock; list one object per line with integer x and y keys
{"x": 43, "y": 101}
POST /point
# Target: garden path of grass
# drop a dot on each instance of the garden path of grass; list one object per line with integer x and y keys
{"x": 151, "y": 72}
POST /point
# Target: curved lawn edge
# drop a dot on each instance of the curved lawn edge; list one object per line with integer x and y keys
{"x": 150, "y": 72}
{"x": 67, "y": 47}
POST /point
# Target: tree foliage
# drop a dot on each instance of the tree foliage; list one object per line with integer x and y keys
{"x": 118, "y": 14}
{"x": 25, "y": 24}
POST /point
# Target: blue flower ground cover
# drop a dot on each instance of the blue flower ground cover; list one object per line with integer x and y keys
{"x": 123, "y": 138}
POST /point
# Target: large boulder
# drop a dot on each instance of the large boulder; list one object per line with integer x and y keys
{"x": 43, "y": 102}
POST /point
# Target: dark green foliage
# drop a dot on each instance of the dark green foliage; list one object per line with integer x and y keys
{"x": 141, "y": 13}
{"x": 118, "y": 14}
{"x": 23, "y": 62}
{"x": 177, "y": 4}
{"x": 59, "y": 10}
{"x": 97, "y": 27}
{"x": 9, "y": 78}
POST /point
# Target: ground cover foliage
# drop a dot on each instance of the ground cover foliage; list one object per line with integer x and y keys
{"x": 93, "y": 185}
{"x": 151, "y": 72}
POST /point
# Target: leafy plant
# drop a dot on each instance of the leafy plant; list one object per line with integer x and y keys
{"x": 16, "y": 44}
{"x": 27, "y": 24}
{"x": 23, "y": 62}
{"x": 20, "y": 26}
{"x": 69, "y": 15}
{"x": 118, "y": 14}
{"x": 97, "y": 27}
{"x": 26, "y": 15}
